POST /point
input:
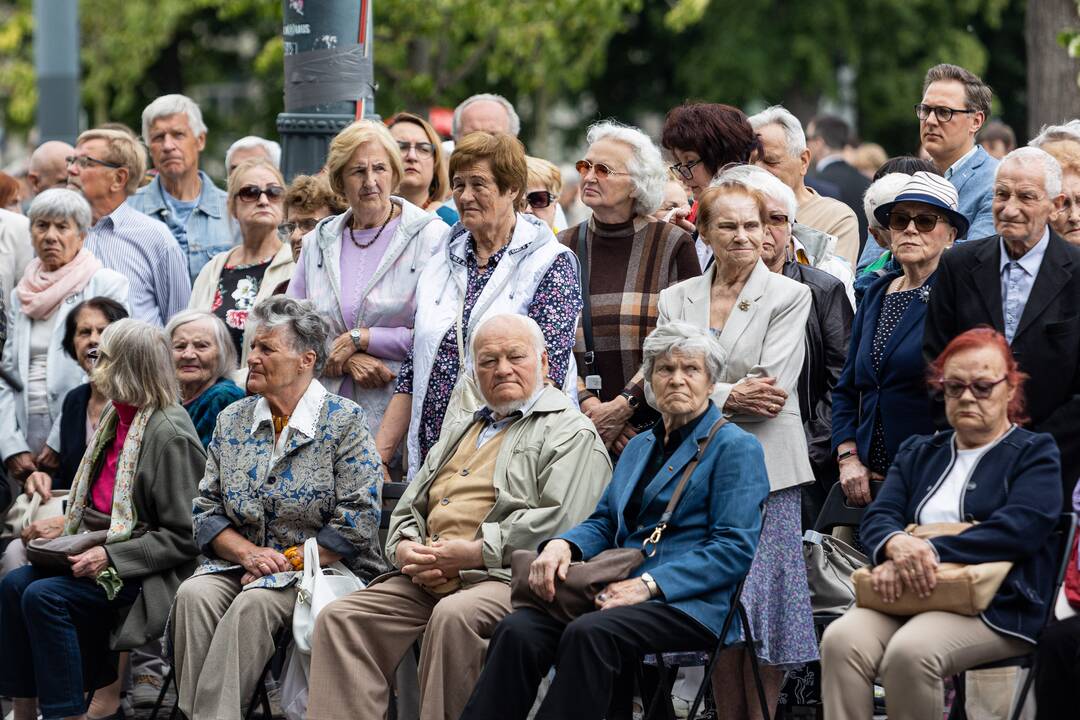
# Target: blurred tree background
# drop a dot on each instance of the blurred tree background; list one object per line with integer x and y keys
{"x": 566, "y": 62}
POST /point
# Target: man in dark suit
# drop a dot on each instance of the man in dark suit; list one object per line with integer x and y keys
{"x": 826, "y": 137}
{"x": 1025, "y": 283}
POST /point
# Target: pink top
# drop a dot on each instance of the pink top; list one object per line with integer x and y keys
{"x": 101, "y": 492}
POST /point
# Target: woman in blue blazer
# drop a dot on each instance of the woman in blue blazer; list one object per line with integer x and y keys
{"x": 987, "y": 471}
{"x": 677, "y": 599}
{"x": 881, "y": 398}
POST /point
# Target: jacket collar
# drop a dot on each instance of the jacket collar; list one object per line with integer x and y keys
{"x": 966, "y": 168}
{"x": 1054, "y": 274}
{"x": 746, "y": 305}
{"x": 211, "y": 200}
{"x": 913, "y": 314}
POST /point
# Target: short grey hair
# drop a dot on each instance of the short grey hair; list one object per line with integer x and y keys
{"x": 135, "y": 365}
{"x": 684, "y": 338}
{"x": 306, "y": 326}
{"x": 646, "y": 166}
{"x": 794, "y": 135}
{"x": 514, "y": 123}
{"x": 1031, "y": 155}
{"x": 1051, "y": 133}
{"x": 61, "y": 203}
{"x": 167, "y": 105}
{"x": 881, "y": 191}
{"x": 763, "y": 181}
{"x": 271, "y": 148}
{"x": 226, "y": 355}
{"x": 527, "y": 323}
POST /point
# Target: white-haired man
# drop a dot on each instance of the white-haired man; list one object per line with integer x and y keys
{"x": 785, "y": 155}
{"x": 485, "y": 112}
{"x": 526, "y": 466}
{"x": 1025, "y": 283}
{"x": 249, "y": 148}
{"x": 182, "y": 196}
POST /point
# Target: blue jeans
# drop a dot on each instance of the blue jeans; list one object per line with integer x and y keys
{"x": 52, "y": 627}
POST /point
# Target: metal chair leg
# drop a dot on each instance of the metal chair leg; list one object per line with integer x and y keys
{"x": 745, "y": 620}
{"x": 1021, "y": 698}
{"x": 170, "y": 678}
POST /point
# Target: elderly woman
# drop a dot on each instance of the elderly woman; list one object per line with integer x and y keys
{"x": 204, "y": 355}
{"x": 308, "y": 199}
{"x": 1066, "y": 221}
{"x": 677, "y": 598}
{"x": 495, "y": 261}
{"x": 626, "y": 259}
{"x": 136, "y": 479}
{"x": 424, "y": 180}
{"x": 759, "y": 318}
{"x": 236, "y": 280}
{"x": 63, "y": 274}
{"x": 361, "y": 268}
{"x": 881, "y": 399}
{"x": 290, "y": 462}
{"x": 542, "y": 191}
{"x": 986, "y": 470}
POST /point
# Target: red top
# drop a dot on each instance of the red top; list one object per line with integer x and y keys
{"x": 101, "y": 492}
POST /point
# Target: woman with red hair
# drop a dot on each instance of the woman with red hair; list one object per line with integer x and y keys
{"x": 987, "y": 471}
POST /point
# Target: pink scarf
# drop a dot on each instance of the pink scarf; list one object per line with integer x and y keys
{"x": 41, "y": 292}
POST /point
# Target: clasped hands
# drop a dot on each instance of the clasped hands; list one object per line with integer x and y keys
{"x": 756, "y": 396}
{"x": 554, "y": 562}
{"x": 432, "y": 565}
{"x": 365, "y": 370}
{"x": 911, "y": 565}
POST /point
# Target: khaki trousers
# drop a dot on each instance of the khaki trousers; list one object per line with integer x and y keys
{"x": 911, "y": 655}
{"x": 222, "y": 640}
{"x": 360, "y": 639}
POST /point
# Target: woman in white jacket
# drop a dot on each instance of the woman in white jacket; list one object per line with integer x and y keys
{"x": 62, "y": 275}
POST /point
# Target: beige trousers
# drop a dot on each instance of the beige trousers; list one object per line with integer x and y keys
{"x": 222, "y": 640}
{"x": 360, "y": 639}
{"x": 911, "y": 655}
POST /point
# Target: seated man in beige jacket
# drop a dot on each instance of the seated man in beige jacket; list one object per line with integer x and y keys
{"x": 525, "y": 467}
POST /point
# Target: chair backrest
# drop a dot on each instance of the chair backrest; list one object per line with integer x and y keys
{"x": 837, "y": 513}
{"x": 391, "y": 493}
{"x": 1063, "y": 539}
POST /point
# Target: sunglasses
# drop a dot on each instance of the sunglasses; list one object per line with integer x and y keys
{"x": 924, "y": 222}
{"x": 686, "y": 170}
{"x": 980, "y": 389}
{"x": 944, "y": 114}
{"x": 539, "y": 199}
{"x": 252, "y": 193}
{"x": 306, "y": 225}
{"x": 423, "y": 149}
{"x": 600, "y": 170}
{"x": 85, "y": 161}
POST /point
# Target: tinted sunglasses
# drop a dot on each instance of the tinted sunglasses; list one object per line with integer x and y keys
{"x": 251, "y": 193}
{"x": 599, "y": 169}
{"x": 980, "y": 389}
{"x": 924, "y": 222}
{"x": 539, "y": 199}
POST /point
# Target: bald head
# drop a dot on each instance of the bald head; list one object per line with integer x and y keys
{"x": 48, "y": 165}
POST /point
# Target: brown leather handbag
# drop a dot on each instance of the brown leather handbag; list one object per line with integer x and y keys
{"x": 52, "y": 555}
{"x": 584, "y": 580}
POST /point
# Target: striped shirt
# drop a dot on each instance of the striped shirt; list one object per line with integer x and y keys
{"x": 144, "y": 251}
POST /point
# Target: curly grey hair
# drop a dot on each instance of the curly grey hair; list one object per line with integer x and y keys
{"x": 763, "y": 181}
{"x": 306, "y": 326}
{"x": 646, "y": 166}
{"x": 58, "y": 203}
{"x": 686, "y": 339}
{"x": 226, "y": 349}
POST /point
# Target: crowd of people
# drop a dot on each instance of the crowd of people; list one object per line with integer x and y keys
{"x": 752, "y": 312}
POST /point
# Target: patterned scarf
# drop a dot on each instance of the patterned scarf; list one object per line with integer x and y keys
{"x": 122, "y": 519}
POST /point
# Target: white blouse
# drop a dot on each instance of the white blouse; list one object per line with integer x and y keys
{"x": 945, "y": 504}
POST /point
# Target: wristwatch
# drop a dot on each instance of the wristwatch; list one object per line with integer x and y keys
{"x": 355, "y": 335}
{"x": 631, "y": 399}
{"x": 654, "y": 589}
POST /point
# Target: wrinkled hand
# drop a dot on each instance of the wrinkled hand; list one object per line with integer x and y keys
{"x": 90, "y": 563}
{"x": 886, "y": 582}
{"x": 20, "y": 465}
{"x": 418, "y": 562}
{"x": 855, "y": 481}
{"x": 340, "y": 352}
{"x": 47, "y": 529}
{"x": 915, "y": 562}
{"x": 609, "y": 418}
{"x": 368, "y": 371}
{"x": 624, "y": 592}
{"x": 451, "y": 557}
{"x": 47, "y": 459}
{"x": 261, "y": 561}
{"x": 40, "y": 483}
{"x": 676, "y": 216}
{"x": 756, "y": 396}
{"x": 626, "y": 435}
{"x": 553, "y": 562}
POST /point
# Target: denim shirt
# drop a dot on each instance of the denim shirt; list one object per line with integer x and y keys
{"x": 208, "y": 230}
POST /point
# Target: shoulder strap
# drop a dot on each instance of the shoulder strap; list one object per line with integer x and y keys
{"x": 586, "y": 306}
{"x": 649, "y": 545}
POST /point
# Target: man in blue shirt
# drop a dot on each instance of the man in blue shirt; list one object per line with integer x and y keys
{"x": 182, "y": 196}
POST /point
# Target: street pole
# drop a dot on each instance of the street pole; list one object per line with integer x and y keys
{"x": 329, "y": 77}
{"x": 56, "y": 65}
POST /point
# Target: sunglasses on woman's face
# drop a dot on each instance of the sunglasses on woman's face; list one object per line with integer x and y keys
{"x": 924, "y": 222}
{"x": 980, "y": 389}
{"x": 539, "y": 199}
{"x": 600, "y": 170}
{"x": 251, "y": 193}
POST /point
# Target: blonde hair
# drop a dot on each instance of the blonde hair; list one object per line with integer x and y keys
{"x": 344, "y": 145}
{"x": 242, "y": 169}
{"x": 1066, "y": 152}
{"x": 544, "y": 173}
{"x": 121, "y": 149}
{"x": 135, "y": 366}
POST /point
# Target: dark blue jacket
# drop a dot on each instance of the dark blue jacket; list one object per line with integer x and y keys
{"x": 898, "y": 392}
{"x": 713, "y": 534}
{"x": 72, "y": 435}
{"x": 1013, "y": 493}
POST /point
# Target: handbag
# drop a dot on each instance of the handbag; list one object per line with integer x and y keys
{"x": 52, "y": 555}
{"x": 830, "y": 563}
{"x": 27, "y": 510}
{"x": 576, "y": 595}
{"x": 961, "y": 589}
{"x": 319, "y": 587}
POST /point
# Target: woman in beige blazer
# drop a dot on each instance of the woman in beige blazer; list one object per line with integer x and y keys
{"x": 759, "y": 318}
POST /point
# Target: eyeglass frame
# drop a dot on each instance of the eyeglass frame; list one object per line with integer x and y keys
{"x": 963, "y": 387}
{"x": 915, "y": 219}
{"x": 405, "y": 147}
{"x": 937, "y": 111}
{"x": 286, "y": 229}
{"x": 277, "y": 194}
{"x": 685, "y": 170}
{"x": 84, "y": 161}
{"x": 600, "y": 170}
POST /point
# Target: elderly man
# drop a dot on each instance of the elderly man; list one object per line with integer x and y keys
{"x": 1025, "y": 283}
{"x": 955, "y": 104}
{"x": 182, "y": 196}
{"x": 485, "y": 112}
{"x": 526, "y": 466}
{"x": 48, "y": 166}
{"x": 826, "y": 138}
{"x": 785, "y": 155}
{"x": 106, "y": 168}
{"x": 249, "y": 148}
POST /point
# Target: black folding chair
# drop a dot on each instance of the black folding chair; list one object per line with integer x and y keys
{"x": 1063, "y": 539}
{"x": 391, "y": 494}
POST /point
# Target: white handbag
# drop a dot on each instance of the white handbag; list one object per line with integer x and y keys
{"x": 26, "y": 510}
{"x": 319, "y": 587}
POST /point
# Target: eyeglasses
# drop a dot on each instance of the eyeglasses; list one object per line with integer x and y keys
{"x": 601, "y": 170}
{"x": 777, "y": 220}
{"x": 980, "y": 389}
{"x": 686, "y": 170}
{"x": 539, "y": 199}
{"x": 306, "y": 225}
{"x": 944, "y": 114}
{"x": 423, "y": 149}
{"x": 924, "y": 222}
{"x": 252, "y": 193}
{"x": 85, "y": 161}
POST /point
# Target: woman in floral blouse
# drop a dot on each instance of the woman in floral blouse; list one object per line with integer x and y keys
{"x": 234, "y": 281}
{"x": 288, "y": 463}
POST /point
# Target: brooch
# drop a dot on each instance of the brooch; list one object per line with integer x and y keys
{"x": 924, "y": 294}
{"x": 744, "y": 305}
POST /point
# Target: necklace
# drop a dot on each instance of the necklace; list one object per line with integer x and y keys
{"x": 487, "y": 260}
{"x": 381, "y": 228}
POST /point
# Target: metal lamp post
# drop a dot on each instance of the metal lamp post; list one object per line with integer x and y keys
{"x": 56, "y": 64}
